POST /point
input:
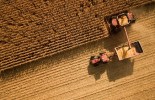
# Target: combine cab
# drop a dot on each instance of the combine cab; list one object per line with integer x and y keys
{"x": 123, "y": 19}
{"x": 112, "y": 24}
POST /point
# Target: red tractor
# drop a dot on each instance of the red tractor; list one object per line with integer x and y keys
{"x": 102, "y": 58}
{"x": 95, "y": 60}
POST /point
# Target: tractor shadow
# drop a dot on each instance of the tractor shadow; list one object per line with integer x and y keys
{"x": 97, "y": 71}
{"x": 115, "y": 69}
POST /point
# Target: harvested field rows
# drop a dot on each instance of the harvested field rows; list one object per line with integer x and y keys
{"x": 31, "y": 30}
{"x": 68, "y": 76}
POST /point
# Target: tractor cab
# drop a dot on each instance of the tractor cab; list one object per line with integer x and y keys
{"x": 95, "y": 60}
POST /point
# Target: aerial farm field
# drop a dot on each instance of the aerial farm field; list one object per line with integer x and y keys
{"x": 68, "y": 75}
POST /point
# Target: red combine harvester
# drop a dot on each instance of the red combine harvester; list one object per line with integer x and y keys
{"x": 114, "y": 22}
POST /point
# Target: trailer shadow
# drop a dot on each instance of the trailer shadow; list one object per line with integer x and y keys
{"x": 119, "y": 69}
{"x": 115, "y": 70}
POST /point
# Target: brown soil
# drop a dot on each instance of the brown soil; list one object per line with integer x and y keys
{"x": 68, "y": 75}
{"x": 32, "y": 29}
